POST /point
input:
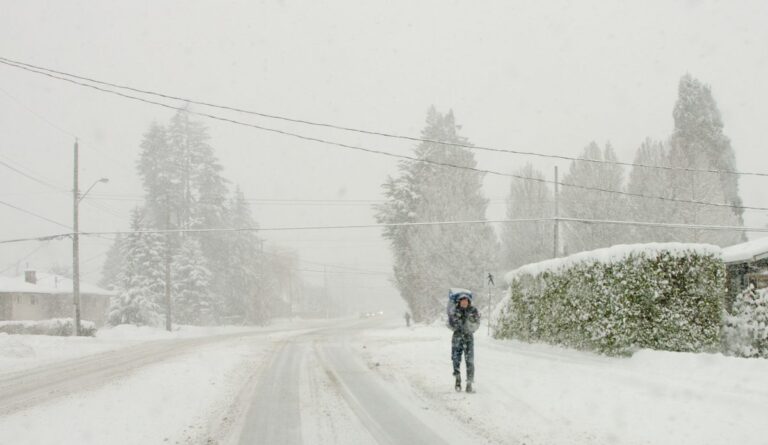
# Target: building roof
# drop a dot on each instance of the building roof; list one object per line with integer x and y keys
{"x": 49, "y": 284}
{"x": 746, "y": 252}
{"x": 8, "y": 285}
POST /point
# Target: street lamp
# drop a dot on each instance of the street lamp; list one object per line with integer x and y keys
{"x": 76, "y": 198}
{"x": 102, "y": 180}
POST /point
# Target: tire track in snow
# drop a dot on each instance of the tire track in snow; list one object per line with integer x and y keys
{"x": 274, "y": 415}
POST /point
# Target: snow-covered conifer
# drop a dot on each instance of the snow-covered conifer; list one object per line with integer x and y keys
{"x": 430, "y": 259}
{"x": 527, "y": 242}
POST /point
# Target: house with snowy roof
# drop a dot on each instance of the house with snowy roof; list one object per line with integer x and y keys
{"x": 746, "y": 263}
{"x": 41, "y": 296}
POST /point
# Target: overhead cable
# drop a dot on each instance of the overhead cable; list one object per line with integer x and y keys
{"x": 19, "y": 64}
{"x": 381, "y": 152}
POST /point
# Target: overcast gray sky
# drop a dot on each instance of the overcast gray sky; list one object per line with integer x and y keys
{"x": 537, "y": 76}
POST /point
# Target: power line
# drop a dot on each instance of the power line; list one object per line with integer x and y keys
{"x": 28, "y": 176}
{"x": 97, "y": 206}
{"x": 117, "y": 197}
{"x": 365, "y": 202}
{"x": 667, "y": 225}
{"x": 35, "y": 215}
{"x": 258, "y": 229}
{"x": 266, "y": 202}
{"x": 32, "y": 252}
{"x": 380, "y": 152}
{"x": 19, "y": 64}
{"x": 98, "y": 235}
{"x": 60, "y": 128}
{"x": 407, "y": 224}
{"x": 64, "y": 131}
{"x": 298, "y": 259}
{"x": 342, "y": 272}
{"x": 39, "y": 116}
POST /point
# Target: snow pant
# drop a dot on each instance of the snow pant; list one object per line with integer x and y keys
{"x": 463, "y": 344}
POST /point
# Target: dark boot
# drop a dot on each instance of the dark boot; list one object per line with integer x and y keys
{"x": 469, "y": 387}
{"x": 458, "y": 383}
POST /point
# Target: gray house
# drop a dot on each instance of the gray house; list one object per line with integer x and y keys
{"x": 39, "y": 296}
{"x": 746, "y": 263}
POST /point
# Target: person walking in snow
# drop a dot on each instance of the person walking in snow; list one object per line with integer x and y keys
{"x": 407, "y": 320}
{"x": 464, "y": 319}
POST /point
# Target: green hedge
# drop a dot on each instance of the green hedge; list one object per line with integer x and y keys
{"x": 660, "y": 296}
{"x": 56, "y": 326}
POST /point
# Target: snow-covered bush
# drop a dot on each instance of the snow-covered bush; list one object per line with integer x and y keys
{"x": 55, "y": 326}
{"x": 745, "y": 331}
{"x": 657, "y": 296}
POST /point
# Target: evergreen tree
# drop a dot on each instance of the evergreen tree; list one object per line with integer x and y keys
{"x": 279, "y": 283}
{"x": 192, "y": 301}
{"x": 185, "y": 189}
{"x": 141, "y": 282}
{"x": 113, "y": 265}
{"x": 244, "y": 293}
{"x": 698, "y": 143}
{"x": 593, "y": 204}
{"x": 158, "y": 169}
{"x": 650, "y": 182}
{"x": 527, "y": 242}
{"x": 210, "y": 211}
{"x": 430, "y": 259}
{"x": 698, "y": 138}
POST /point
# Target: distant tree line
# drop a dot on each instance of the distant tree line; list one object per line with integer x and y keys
{"x": 429, "y": 259}
{"x": 216, "y": 277}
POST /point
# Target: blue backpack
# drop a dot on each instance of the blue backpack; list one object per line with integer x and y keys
{"x": 454, "y": 294}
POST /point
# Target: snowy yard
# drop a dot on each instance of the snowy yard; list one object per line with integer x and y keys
{"x": 539, "y": 394}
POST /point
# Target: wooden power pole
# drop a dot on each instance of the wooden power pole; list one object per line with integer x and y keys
{"x": 168, "y": 271}
{"x": 557, "y": 216}
{"x": 76, "y": 245}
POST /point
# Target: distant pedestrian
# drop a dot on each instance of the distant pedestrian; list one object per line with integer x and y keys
{"x": 464, "y": 319}
{"x": 407, "y": 319}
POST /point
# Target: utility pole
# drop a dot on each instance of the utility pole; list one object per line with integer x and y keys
{"x": 168, "y": 271}
{"x": 557, "y": 216}
{"x": 695, "y": 207}
{"x": 325, "y": 290}
{"x": 290, "y": 294}
{"x": 490, "y": 283}
{"x": 76, "y": 245}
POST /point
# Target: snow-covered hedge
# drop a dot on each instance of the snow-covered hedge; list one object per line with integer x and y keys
{"x": 54, "y": 326}
{"x": 745, "y": 331}
{"x": 657, "y": 296}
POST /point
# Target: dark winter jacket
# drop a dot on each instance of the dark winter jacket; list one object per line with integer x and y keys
{"x": 464, "y": 320}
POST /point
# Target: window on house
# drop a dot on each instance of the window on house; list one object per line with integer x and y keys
{"x": 33, "y": 299}
{"x": 18, "y": 299}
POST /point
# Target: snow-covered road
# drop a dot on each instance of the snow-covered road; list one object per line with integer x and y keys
{"x": 374, "y": 381}
{"x": 319, "y": 390}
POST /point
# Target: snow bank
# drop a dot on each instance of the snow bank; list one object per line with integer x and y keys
{"x": 546, "y": 394}
{"x": 133, "y": 332}
{"x": 182, "y": 400}
{"x": 27, "y": 351}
